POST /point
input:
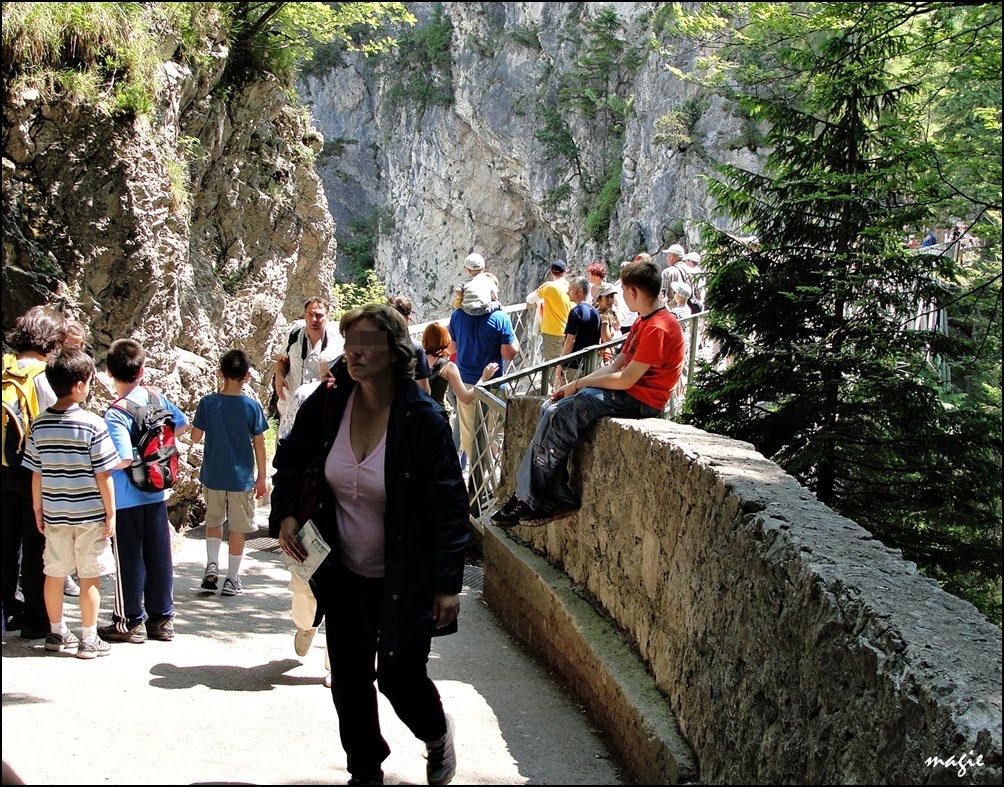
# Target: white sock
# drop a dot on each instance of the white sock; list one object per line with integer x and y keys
{"x": 234, "y": 566}
{"x": 213, "y": 550}
{"x": 58, "y": 628}
{"x": 89, "y": 633}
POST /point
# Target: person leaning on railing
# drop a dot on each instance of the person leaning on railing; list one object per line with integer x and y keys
{"x": 637, "y": 384}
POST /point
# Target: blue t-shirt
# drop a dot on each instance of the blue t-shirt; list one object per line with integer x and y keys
{"x": 231, "y": 423}
{"x": 479, "y": 341}
{"x": 584, "y": 324}
{"x": 119, "y": 427}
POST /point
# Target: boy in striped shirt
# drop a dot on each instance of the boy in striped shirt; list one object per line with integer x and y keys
{"x": 71, "y": 457}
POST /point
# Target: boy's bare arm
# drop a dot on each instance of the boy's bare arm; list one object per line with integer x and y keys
{"x": 259, "y": 456}
{"x": 106, "y": 486}
{"x": 196, "y": 435}
{"x": 614, "y": 377}
{"x": 36, "y": 501}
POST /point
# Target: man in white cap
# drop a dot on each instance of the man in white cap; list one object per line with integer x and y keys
{"x": 673, "y": 271}
{"x": 695, "y": 273}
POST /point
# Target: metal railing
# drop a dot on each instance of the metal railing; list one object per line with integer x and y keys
{"x": 535, "y": 379}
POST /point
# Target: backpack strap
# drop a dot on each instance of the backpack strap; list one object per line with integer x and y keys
{"x": 303, "y": 342}
{"x": 133, "y": 409}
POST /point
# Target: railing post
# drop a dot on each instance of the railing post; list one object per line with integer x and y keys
{"x": 476, "y": 492}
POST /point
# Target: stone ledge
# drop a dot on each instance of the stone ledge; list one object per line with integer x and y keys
{"x": 790, "y": 645}
{"x": 538, "y": 605}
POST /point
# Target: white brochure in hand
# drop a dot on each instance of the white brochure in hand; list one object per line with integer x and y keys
{"x": 316, "y": 548}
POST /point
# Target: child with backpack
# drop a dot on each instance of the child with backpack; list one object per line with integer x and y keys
{"x": 233, "y": 467}
{"x": 26, "y": 392}
{"x": 71, "y": 456}
{"x": 144, "y": 591}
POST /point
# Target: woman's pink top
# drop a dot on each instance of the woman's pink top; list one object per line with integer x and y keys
{"x": 362, "y": 499}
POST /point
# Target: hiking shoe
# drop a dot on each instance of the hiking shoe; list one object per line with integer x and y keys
{"x": 161, "y": 629}
{"x": 70, "y": 588}
{"x": 211, "y": 577}
{"x": 31, "y": 631}
{"x": 542, "y": 516}
{"x": 55, "y": 643}
{"x": 302, "y": 640}
{"x": 91, "y": 650}
{"x": 376, "y": 778}
{"x": 441, "y": 758}
{"x": 231, "y": 587}
{"x": 511, "y": 513}
{"x": 110, "y": 633}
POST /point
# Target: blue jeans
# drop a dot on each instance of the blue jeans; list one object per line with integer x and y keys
{"x": 542, "y": 478}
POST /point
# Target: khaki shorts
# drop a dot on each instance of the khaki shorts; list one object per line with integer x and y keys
{"x": 235, "y": 508}
{"x": 80, "y": 548}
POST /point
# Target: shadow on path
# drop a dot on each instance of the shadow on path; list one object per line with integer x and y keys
{"x": 225, "y": 677}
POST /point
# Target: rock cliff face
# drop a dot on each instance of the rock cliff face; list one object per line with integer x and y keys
{"x": 197, "y": 230}
{"x": 474, "y": 149}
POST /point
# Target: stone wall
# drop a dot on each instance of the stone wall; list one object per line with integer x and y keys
{"x": 791, "y": 645}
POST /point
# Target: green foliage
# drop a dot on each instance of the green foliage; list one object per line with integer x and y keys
{"x": 556, "y": 136}
{"x": 421, "y": 70}
{"x": 598, "y": 219}
{"x": 336, "y": 147}
{"x": 106, "y": 55}
{"x": 827, "y": 374}
{"x": 527, "y": 35}
{"x": 358, "y": 250}
{"x": 677, "y": 127}
{"x": 349, "y": 295}
{"x": 595, "y": 89}
{"x": 103, "y": 55}
{"x": 278, "y": 37}
{"x": 557, "y": 195}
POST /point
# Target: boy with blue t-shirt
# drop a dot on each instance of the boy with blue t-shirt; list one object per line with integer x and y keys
{"x": 144, "y": 592}
{"x": 71, "y": 456}
{"x": 233, "y": 467}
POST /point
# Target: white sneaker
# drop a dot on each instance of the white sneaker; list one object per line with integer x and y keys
{"x": 231, "y": 587}
{"x": 70, "y": 588}
{"x": 302, "y": 640}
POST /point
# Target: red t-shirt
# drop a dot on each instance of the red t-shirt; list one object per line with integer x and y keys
{"x": 656, "y": 340}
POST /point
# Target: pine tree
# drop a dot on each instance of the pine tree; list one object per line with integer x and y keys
{"x": 828, "y": 373}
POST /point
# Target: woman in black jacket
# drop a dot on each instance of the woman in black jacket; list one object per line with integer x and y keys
{"x": 394, "y": 510}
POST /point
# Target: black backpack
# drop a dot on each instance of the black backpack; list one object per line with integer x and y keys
{"x": 154, "y": 466}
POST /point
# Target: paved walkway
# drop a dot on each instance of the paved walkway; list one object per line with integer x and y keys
{"x": 229, "y": 701}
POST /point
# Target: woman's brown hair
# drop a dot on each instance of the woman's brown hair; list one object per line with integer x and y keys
{"x": 389, "y": 321}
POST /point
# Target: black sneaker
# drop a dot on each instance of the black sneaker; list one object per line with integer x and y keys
{"x": 211, "y": 577}
{"x": 35, "y": 631}
{"x": 511, "y": 513}
{"x": 110, "y": 633}
{"x": 441, "y": 757}
{"x": 57, "y": 643}
{"x": 546, "y": 514}
{"x": 376, "y": 778}
{"x": 161, "y": 629}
